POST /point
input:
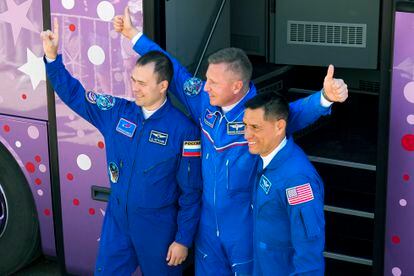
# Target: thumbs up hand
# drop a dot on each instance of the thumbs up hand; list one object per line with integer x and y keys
{"x": 123, "y": 24}
{"x": 334, "y": 90}
{"x": 51, "y": 40}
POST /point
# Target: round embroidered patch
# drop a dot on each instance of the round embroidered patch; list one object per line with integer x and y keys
{"x": 192, "y": 86}
{"x": 91, "y": 97}
{"x": 105, "y": 102}
{"x": 113, "y": 172}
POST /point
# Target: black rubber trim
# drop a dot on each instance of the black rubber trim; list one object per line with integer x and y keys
{"x": 100, "y": 193}
{"x": 53, "y": 157}
{"x": 385, "y": 66}
{"x": 405, "y": 6}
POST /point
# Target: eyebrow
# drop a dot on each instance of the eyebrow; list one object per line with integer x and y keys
{"x": 135, "y": 80}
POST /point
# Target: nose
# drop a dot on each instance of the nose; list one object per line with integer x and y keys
{"x": 207, "y": 86}
{"x": 247, "y": 133}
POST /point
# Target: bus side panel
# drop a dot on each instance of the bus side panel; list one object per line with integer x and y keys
{"x": 399, "y": 249}
{"x": 23, "y": 86}
{"x": 85, "y": 33}
{"x": 27, "y": 141}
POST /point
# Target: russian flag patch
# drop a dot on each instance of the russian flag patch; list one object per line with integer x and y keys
{"x": 192, "y": 148}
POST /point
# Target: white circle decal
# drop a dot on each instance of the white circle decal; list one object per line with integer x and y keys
{"x": 96, "y": 55}
{"x": 84, "y": 162}
{"x": 105, "y": 11}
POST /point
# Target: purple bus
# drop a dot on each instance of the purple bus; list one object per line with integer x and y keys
{"x": 53, "y": 180}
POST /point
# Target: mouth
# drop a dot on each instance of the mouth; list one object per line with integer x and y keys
{"x": 252, "y": 143}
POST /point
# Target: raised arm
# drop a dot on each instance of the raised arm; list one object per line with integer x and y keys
{"x": 186, "y": 88}
{"x": 306, "y": 111}
{"x": 95, "y": 108}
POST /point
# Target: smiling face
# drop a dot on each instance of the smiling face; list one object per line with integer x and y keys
{"x": 148, "y": 92}
{"x": 262, "y": 135}
{"x": 222, "y": 85}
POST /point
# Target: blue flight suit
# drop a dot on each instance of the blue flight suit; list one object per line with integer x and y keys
{"x": 154, "y": 166}
{"x": 289, "y": 224}
{"x": 224, "y": 242}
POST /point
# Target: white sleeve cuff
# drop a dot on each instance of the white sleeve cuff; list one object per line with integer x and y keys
{"x": 136, "y": 37}
{"x": 49, "y": 60}
{"x": 325, "y": 102}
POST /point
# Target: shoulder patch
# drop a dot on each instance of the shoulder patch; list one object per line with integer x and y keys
{"x": 91, "y": 96}
{"x": 265, "y": 184}
{"x": 192, "y": 148}
{"x": 105, "y": 102}
{"x": 126, "y": 127}
{"x": 192, "y": 86}
{"x": 158, "y": 137}
{"x": 299, "y": 194}
{"x": 235, "y": 128}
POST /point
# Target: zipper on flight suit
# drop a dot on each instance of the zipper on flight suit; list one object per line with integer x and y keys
{"x": 132, "y": 167}
{"x": 215, "y": 178}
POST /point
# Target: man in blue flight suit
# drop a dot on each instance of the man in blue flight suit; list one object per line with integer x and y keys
{"x": 289, "y": 225}
{"x": 224, "y": 243}
{"x": 154, "y": 165}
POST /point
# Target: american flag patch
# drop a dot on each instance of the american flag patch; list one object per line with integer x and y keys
{"x": 299, "y": 194}
{"x": 192, "y": 148}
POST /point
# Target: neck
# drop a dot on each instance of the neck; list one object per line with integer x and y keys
{"x": 155, "y": 105}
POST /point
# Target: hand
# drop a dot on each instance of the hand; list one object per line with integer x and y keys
{"x": 335, "y": 89}
{"x": 123, "y": 24}
{"x": 177, "y": 254}
{"x": 51, "y": 40}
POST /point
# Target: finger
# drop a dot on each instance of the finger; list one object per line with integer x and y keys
{"x": 56, "y": 28}
{"x": 44, "y": 35}
{"x": 169, "y": 255}
{"x": 172, "y": 261}
{"x": 330, "y": 72}
{"x": 127, "y": 17}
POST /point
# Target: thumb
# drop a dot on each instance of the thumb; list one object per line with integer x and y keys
{"x": 330, "y": 72}
{"x": 127, "y": 17}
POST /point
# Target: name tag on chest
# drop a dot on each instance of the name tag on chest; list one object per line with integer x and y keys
{"x": 158, "y": 137}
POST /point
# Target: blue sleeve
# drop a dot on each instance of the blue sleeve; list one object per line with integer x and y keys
{"x": 95, "y": 108}
{"x": 187, "y": 89}
{"x": 307, "y": 226}
{"x": 190, "y": 182}
{"x": 304, "y": 112}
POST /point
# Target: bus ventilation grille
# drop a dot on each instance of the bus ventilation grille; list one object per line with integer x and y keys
{"x": 326, "y": 34}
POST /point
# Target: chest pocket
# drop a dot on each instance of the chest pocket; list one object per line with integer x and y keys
{"x": 240, "y": 171}
{"x": 161, "y": 169}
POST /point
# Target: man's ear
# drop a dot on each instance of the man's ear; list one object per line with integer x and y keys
{"x": 164, "y": 86}
{"x": 237, "y": 87}
{"x": 281, "y": 125}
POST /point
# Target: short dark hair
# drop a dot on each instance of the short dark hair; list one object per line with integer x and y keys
{"x": 237, "y": 62}
{"x": 162, "y": 65}
{"x": 274, "y": 105}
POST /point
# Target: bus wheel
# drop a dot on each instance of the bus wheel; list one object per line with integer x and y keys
{"x": 19, "y": 227}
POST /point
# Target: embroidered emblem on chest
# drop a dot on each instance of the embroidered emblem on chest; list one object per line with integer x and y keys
{"x": 126, "y": 127}
{"x": 210, "y": 119}
{"x": 158, "y": 137}
{"x": 265, "y": 184}
{"x": 299, "y": 194}
{"x": 235, "y": 128}
{"x": 192, "y": 148}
